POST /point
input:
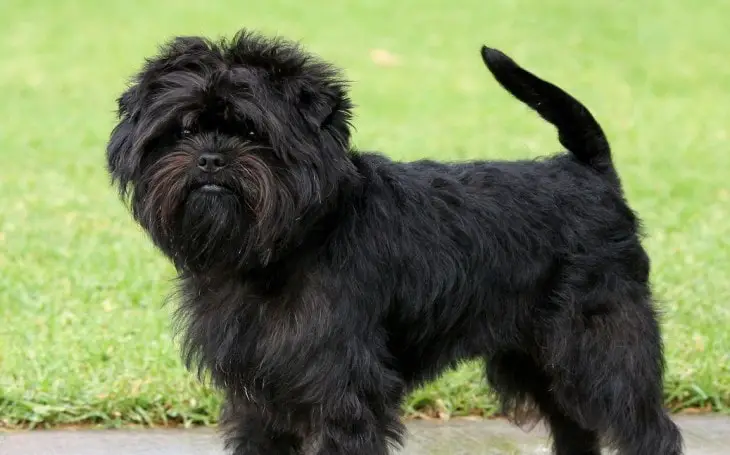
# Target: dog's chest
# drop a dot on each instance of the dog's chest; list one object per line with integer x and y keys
{"x": 252, "y": 338}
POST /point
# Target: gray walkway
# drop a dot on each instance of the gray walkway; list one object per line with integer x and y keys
{"x": 704, "y": 436}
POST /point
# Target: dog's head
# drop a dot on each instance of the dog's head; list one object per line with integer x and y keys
{"x": 224, "y": 148}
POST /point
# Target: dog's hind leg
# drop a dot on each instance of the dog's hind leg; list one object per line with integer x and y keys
{"x": 524, "y": 389}
{"x": 605, "y": 359}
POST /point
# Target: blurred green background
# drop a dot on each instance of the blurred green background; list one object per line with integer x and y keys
{"x": 83, "y": 333}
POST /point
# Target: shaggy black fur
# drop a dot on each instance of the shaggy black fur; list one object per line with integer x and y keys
{"x": 320, "y": 284}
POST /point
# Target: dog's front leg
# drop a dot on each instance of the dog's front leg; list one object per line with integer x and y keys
{"x": 367, "y": 431}
{"x": 247, "y": 431}
{"x": 361, "y": 412}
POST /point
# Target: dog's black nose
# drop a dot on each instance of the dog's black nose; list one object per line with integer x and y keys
{"x": 211, "y": 162}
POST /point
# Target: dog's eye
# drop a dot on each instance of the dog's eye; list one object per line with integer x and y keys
{"x": 251, "y": 134}
{"x": 187, "y": 131}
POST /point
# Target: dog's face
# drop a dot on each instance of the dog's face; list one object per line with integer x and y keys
{"x": 225, "y": 149}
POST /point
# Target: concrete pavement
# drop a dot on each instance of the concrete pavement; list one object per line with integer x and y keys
{"x": 704, "y": 435}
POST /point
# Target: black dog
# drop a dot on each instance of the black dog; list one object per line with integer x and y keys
{"x": 320, "y": 284}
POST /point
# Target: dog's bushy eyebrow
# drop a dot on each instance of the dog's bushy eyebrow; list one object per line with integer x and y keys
{"x": 180, "y": 79}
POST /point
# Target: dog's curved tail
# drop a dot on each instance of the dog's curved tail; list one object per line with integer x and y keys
{"x": 578, "y": 131}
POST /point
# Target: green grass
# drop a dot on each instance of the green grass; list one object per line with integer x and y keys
{"x": 83, "y": 334}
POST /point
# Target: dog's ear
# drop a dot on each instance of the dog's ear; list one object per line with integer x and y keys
{"x": 315, "y": 106}
{"x": 127, "y": 103}
{"x": 120, "y": 161}
{"x": 326, "y": 106}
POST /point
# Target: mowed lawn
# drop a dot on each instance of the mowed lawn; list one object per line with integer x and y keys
{"x": 84, "y": 336}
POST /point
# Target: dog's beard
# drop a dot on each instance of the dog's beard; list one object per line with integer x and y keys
{"x": 226, "y": 222}
{"x": 212, "y": 231}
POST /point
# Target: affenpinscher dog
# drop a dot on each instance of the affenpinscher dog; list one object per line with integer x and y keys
{"x": 320, "y": 284}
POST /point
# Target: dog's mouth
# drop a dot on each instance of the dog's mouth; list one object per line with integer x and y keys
{"x": 211, "y": 188}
